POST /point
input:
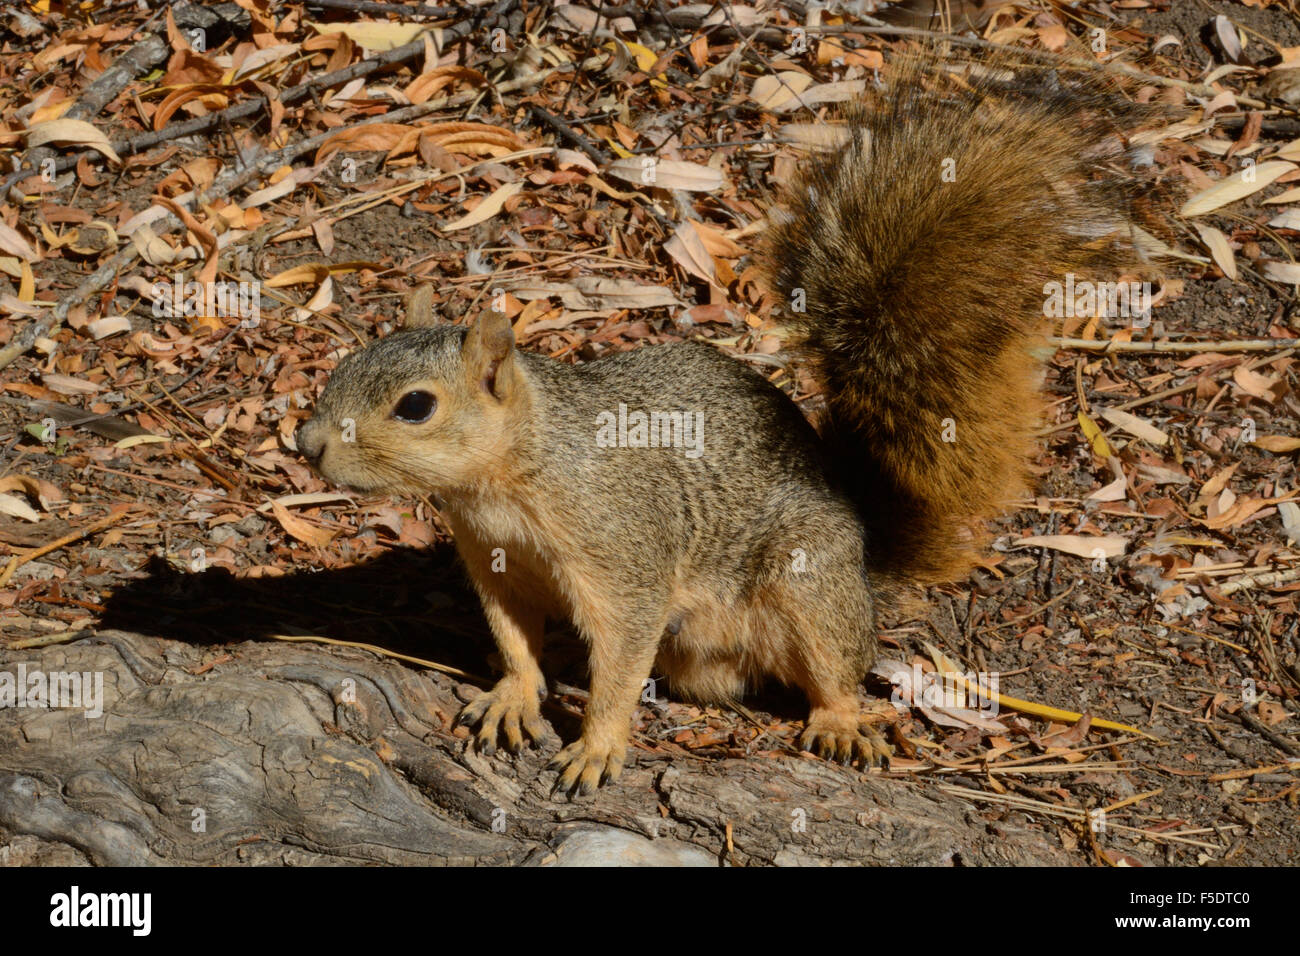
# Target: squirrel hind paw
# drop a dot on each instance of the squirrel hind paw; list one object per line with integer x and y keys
{"x": 850, "y": 742}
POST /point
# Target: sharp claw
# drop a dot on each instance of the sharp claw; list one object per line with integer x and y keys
{"x": 860, "y": 748}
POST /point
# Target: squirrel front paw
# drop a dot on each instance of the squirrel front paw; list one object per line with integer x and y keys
{"x": 511, "y": 708}
{"x": 585, "y": 764}
{"x": 844, "y": 739}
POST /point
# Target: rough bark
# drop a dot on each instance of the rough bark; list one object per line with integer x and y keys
{"x": 305, "y": 754}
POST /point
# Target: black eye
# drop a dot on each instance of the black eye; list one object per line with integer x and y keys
{"x": 415, "y": 408}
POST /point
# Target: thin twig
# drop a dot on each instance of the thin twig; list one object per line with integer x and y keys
{"x": 1228, "y": 345}
{"x": 18, "y": 560}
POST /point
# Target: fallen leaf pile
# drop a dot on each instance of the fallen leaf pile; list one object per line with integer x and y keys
{"x": 211, "y": 205}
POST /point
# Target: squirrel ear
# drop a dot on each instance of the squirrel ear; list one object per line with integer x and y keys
{"x": 487, "y": 352}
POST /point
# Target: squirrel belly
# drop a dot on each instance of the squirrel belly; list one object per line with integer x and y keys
{"x": 679, "y": 509}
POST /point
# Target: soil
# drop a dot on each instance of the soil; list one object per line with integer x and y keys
{"x": 1212, "y": 783}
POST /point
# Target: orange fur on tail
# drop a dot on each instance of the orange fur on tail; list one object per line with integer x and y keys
{"x": 914, "y": 262}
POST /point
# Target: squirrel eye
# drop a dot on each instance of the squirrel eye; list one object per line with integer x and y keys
{"x": 415, "y": 408}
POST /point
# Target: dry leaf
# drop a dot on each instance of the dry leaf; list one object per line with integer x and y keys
{"x": 1117, "y": 490}
{"x": 1080, "y": 545}
{"x": 1290, "y": 195}
{"x": 317, "y": 303}
{"x": 17, "y": 508}
{"x": 68, "y": 132}
{"x": 108, "y": 325}
{"x": 1240, "y": 512}
{"x": 67, "y": 385}
{"x": 300, "y": 528}
{"x": 260, "y": 58}
{"x": 667, "y": 174}
{"x": 132, "y": 440}
{"x": 313, "y": 273}
{"x": 1264, "y": 387}
{"x": 688, "y": 251}
{"x": 486, "y": 209}
{"x": 208, "y": 274}
{"x": 839, "y": 92}
{"x": 378, "y": 36}
{"x": 14, "y": 244}
{"x": 1237, "y": 186}
{"x": 1290, "y": 513}
{"x": 1217, "y": 483}
{"x": 1220, "y": 250}
{"x": 1134, "y": 425}
{"x": 310, "y": 499}
{"x": 779, "y": 92}
{"x": 1277, "y": 443}
{"x": 153, "y": 248}
{"x": 425, "y": 86}
{"x": 32, "y": 490}
{"x": 1288, "y": 272}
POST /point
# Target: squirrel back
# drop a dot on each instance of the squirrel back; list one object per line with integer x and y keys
{"x": 914, "y": 260}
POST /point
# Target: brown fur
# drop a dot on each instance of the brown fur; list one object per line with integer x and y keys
{"x": 925, "y": 296}
{"x": 750, "y": 560}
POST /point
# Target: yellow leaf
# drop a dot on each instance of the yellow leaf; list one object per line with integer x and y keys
{"x": 645, "y": 57}
{"x": 618, "y": 149}
{"x": 945, "y": 666}
{"x": 1096, "y": 439}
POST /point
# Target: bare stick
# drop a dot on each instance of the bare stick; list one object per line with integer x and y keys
{"x": 1266, "y": 579}
{"x": 18, "y": 560}
{"x": 142, "y": 57}
{"x": 1238, "y": 345}
{"x": 1171, "y": 392}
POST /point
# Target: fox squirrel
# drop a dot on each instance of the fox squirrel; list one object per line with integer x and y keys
{"x": 678, "y": 508}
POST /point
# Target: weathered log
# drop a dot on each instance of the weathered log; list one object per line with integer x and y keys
{"x": 289, "y": 753}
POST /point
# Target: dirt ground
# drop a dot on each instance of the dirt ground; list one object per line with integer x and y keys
{"x": 1209, "y": 675}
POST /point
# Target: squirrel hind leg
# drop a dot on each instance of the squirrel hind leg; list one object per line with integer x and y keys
{"x": 816, "y": 630}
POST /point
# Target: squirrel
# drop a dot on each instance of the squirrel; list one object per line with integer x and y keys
{"x": 677, "y": 507}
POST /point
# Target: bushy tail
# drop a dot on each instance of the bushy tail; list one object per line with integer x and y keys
{"x": 914, "y": 261}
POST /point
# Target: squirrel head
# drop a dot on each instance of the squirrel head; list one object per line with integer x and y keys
{"x": 428, "y": 410}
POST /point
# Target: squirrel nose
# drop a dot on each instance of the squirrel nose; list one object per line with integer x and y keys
{"x": 310, "y": 439}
